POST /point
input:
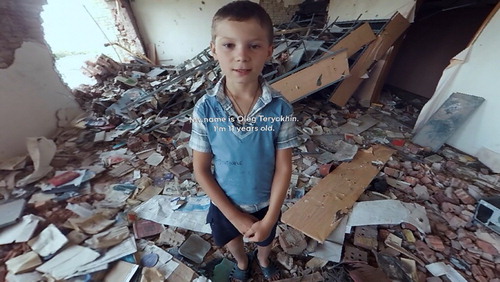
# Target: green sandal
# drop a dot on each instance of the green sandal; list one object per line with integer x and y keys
{"x": 271, "y": 272}
{"x": 238, "y": 274}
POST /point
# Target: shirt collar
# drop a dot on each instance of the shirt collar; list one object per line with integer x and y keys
{"x": 267, "y": 93}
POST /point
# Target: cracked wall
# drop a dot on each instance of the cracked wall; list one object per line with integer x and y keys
{"x": 32, "y": 93}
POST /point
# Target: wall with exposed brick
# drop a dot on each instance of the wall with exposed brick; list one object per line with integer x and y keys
{"x": 281, "y": 11}
{"x": 31, "y": 93}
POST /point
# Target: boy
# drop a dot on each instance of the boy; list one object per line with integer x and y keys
{"x": 247, "y": 130}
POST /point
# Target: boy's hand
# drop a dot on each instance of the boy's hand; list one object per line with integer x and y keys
{"x": 244, "y": 222}
{"x": 259, "y": 231}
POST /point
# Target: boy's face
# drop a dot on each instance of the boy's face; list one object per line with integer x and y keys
{"x": 241, "y": 48}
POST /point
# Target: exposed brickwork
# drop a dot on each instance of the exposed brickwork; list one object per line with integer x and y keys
{"x": 20, "y": 21}
{"x": 277, "y": 10}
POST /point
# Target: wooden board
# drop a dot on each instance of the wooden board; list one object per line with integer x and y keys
{"x": 446, "y": 120}
{"x": 313, "y": 78}
{"x": 321, "y": 209}
{"x": 354, "y": 40}
{"x": 374, "y": 52}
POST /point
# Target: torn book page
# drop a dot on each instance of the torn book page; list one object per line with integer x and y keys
{"x": 165, "y": 264}
{"x": 48, "y": 242}
{"x": 388, "y": 212}
{"x": 21, "y": 231}
{"x": 440, "y": 268}
{"x": 41, "y": 151}
{"x": 191, "y": 216}
{"x": 67, "y": 262}
{"x": 125, "y": 248}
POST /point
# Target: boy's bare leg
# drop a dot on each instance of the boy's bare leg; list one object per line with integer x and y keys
{"x": 263, "y": 255}
{"x": 237, "y": 249}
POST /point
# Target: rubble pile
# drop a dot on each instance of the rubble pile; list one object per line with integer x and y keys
{"x": 112, "y": 197}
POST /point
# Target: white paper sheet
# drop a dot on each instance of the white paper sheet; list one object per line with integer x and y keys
{"x": 125, "y": 248}
{"x": 48, "y": 242}
{"x": 191, "y": 216}
{"x": 21, "y": 231}
{"x": 440, "y": 268}
{"x": 67, "y": 262}
{"x": 388, "y": 212}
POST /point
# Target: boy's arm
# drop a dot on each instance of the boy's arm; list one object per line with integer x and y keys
{"x": 202, "y": 169}
{"x": 281, "y": 181}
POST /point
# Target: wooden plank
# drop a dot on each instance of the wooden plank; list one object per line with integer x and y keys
{"x": 313, "y": 78}
{"x": 374, "y": 52}
{"x": 354, "y": 40}
{"x": 321, "y": 209}
{"x": 446, "y": 120}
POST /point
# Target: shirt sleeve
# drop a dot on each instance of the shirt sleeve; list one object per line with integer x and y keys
{"x": 287, "y": 135}
{"x": 199, "y": 134}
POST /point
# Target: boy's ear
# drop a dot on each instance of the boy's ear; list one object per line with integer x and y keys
{"x": 212, "y": 50}
{"x": 270, "y": 52}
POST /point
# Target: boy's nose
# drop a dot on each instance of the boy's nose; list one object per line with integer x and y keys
{"x": 242, "y": 54}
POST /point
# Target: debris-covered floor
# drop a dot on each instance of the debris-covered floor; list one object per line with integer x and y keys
{"x": 112, "y": 198}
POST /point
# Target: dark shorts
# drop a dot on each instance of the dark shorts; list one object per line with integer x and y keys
{"x": 223, "y": 231}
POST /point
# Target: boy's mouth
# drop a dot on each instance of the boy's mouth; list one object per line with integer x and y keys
{"x": 242, "y": 71}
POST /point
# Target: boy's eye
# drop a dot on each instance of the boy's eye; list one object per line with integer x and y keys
{"x": 255, "y": 46}
{"x": 228, "y": 45}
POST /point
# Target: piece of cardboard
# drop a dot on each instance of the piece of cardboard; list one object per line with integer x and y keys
{"x": 314, "y": 77}
{"x": 373, "y": 52}
{"x": 330, "y": 200}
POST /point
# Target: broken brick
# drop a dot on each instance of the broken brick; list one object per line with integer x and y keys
{"x": 434, "y": 242}
{"x": 465, "y": 197}
{"x": 487, "y": 247}
{"x": 425, "y": 252}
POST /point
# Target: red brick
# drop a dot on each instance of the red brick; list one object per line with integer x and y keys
{"x": 466, "y": 243}
{"x": 480, "y": 279}
{"x": 487, "y": 247}
{"x": 456, "y": 222}
{"x": 434, "y": 242}
{"x": 425, "y": 252}
{"x": 393, "y": 172}
{"x": 451, "y": 234}
{"x": 426, "y": 180}
{"x": 449, "y": 207}
{"x": 477, "y": 270}
{"x": 412, "y": 180}
{"x": 489, "y": 272}
{"x": 465, "y": 197}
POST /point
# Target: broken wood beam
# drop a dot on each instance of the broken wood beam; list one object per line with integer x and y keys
{"x": 373, "y": 52}
{"x": 319, "y": 212}
{"x": 310, "y": 79}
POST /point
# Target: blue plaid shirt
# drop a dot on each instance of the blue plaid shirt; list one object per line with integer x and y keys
{"x": 243, "y": 151}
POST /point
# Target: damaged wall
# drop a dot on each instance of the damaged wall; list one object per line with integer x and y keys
{"x": 280, "y": 11}
{"x": 178, "y": 30}
{"x": 475, "y": 72}
{"x": 429, "y": 45}
{"x": 32, "y": 91}
{"x": 339, "y": 10}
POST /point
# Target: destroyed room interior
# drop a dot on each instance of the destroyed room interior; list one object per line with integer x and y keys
{"x": 396, "y": 176}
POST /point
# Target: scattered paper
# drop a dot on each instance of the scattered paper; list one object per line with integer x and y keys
{"x": 67, "y": 262}
{"x": 21, "y": 231}
{"x": 11, "y": 211}
{"x": 91, "y": 225}
{"x": 125, "y": 248}
{"x": 165, "y": 264}
{"x": 48, "y": 242}
{"x": 122, "y": 271}
{"x": 14, "y": 163}
{"x": 108, "y": 238}
{"x": 331, "y": 249}
{"x": 440, "y": 268}
{"x": 155, "y": 159}
{"x": 191, "y": 216}
{"x": 388, "y": 212}
{"x": 41, "y": 151}
{"x": 23, "y": 263}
